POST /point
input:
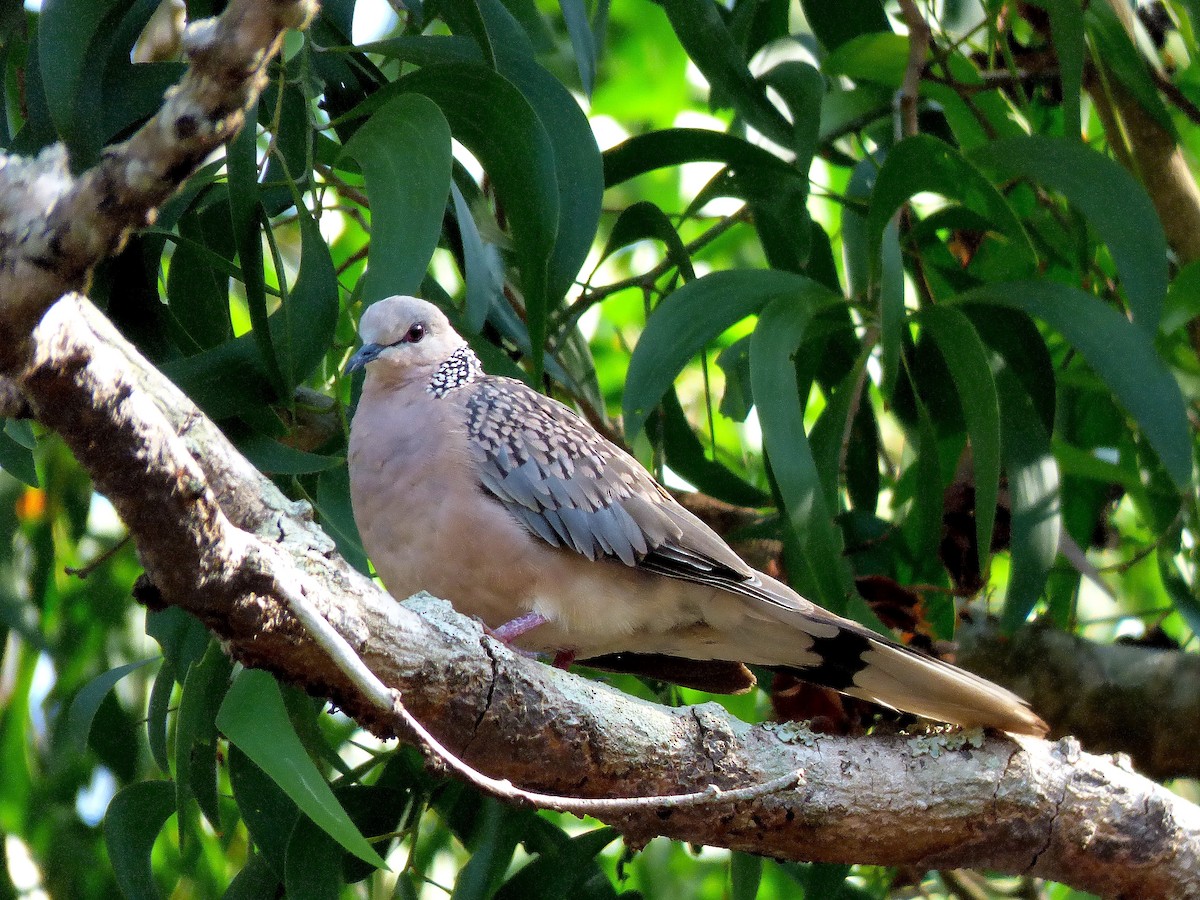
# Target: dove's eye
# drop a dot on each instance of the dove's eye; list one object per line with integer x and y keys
{"x": 415, "y": 333}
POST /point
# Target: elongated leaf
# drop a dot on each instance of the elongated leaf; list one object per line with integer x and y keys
{"x": 482, "y": 268}
{"x": 1122, "y": 354}
{"x": 562, "y": 873}
{"x": 256, "y": 880}
{"x": 1090, "y": 181}
{"x": 967, "y": 359}
{"x": 16, "y": 459}
{"x": 491, "y": 117}
{"x": 493, "y": 842}
{"x": 404, "y": 153}
{"x": 705, "y": 37}
{"x": 302, "y": 328}
{"x": 879, "y": 57}
{"x": 643, "y": 220}
{"x": 254, "y": 718}
{"x": 776, "y": 340}
{"x": 675, "y": 146}
{"x": 82, "y": 710}
{"x": 1066, "y": 30}
{"x": 1033, "y": 489}
{"x": 690, "y": 318}
{"x": 246, "y": 213}
{"x": 891, "y": 307}
{"x": 135, "y": 817}
{"x": 745, "y": 875}
{"x": 582, "y": 41}
{"x": 196, "y": 734}
{"x": 923, "y": 163}
{"x": 269, "y": 814}
{"x": 836, "y": 23}
{"x": 312, "y": 870}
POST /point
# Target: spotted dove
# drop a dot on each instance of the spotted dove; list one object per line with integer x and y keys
{"x": 501, "y": 500}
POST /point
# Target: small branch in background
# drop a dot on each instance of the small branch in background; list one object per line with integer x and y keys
{"x": 593, "y": 296}
{"x": 908, "y": 99}
{"x": 82, "y": 572}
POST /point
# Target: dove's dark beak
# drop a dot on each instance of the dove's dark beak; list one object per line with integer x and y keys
{"x": 365, "y": 354}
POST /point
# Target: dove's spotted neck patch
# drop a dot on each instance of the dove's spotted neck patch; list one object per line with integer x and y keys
{"x": 461, "y": 368}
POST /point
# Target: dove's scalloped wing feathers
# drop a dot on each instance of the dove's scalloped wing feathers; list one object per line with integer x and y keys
{"x": 437, "y": 440}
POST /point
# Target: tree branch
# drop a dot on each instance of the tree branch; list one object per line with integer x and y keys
{"x": 217, "y": 539}
{"x": 54, "y": 228}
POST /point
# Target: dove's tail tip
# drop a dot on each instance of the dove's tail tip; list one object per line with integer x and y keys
{"x": 906, "y": 680}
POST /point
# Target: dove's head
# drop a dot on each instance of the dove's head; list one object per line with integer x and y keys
{"x": 402, "y": 337}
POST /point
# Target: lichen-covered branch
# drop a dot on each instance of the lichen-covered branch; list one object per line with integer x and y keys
{"x": 55, "y": 228}
{"x": 216, "y": 538}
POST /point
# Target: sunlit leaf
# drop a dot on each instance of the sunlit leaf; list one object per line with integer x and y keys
{"x": 254, "y": 719}
{"x": 1130, "y": 228}
{"x": 404, "y": 152}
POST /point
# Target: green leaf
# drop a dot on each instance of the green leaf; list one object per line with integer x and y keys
{"x": 255, "y": 880}
{"x": 313, "y": 869}
{"x": 561, "y": 872}
{"x": 702, "y": 32}
{"x": 15, "y": 458}
{"x": 777, "y": 339}
{"x": 1033, "y": 490}
{"x": 676, "y": 146}
{"x": 923, "y": 163}
{"x": 880, "y": 57}
{"x": 332, "y": 503}
{"x": 135, "y": 817}
{"x": 745, "y": 875}
{"x": 687, "y": 320}
{"x": 642, "y": 220}
{"x": 246, "y": 212}
{"x": 493, "y": 120}
{"x": 1090, "y": 181}
{"x": 1067, "y": 32}
{"x": 303, "y": 326}
{"x": 802, "y": 88}
{"x": 579, "y": 29}
{"x": 482, "y": 268}
{"x": 82, "y": 711}
{"x": 404, "y": 153}
{"x": 836, "y": 23}
{"x": 492, "y": 843}
{"x": 892, "y": 312}
{"x": 156, "y": 716}
{"x": 254, "y": 719}
{"x": 268, "y": 812}
{"x": 1122, "y": 354}
{"x": 967, "y": 358}
{"x": 204, "y": 687}
{"x": 274, "y": 458}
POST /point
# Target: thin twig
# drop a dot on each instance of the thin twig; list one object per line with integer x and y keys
{"x": 593, "y": 296}
{"x": 907, "y": 100}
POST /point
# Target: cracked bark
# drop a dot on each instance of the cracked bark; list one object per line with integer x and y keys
{"x": 211, "y": 531}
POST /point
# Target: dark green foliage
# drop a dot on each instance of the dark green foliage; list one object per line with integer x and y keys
{"x": 930, "y": 391}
